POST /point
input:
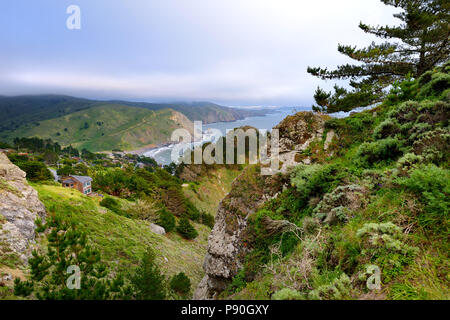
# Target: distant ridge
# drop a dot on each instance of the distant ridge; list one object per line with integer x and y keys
{"x": 17, "y": 111}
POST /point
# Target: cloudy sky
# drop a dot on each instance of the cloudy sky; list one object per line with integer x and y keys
{"x": 234, "y": 52}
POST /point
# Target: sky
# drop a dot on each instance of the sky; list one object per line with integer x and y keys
{"x": 232, "y": 52}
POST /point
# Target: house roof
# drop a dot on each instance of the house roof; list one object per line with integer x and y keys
{"x": 82, "y": 179}
{"x": 68, "y": 181}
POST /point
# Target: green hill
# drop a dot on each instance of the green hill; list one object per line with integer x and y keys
{"x": 107, "y": 127}
{"x": 22, "y": 110}
{"x": 123, "y": 241}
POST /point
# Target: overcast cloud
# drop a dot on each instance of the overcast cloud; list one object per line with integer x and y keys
{"x": 234, "y": 52}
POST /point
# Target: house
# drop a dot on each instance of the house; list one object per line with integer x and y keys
{"x": 81, "y": 183}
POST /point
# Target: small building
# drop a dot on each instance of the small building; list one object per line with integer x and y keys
{"x": 81, "y": 183}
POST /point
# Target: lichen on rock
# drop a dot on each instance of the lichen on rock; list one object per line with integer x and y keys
{"x": 19, "y": 208}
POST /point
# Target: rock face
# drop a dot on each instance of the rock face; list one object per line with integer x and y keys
{"x": 19, "y": 208}
{"x": 227, "y": 243}
{"x": 296, "y": 134}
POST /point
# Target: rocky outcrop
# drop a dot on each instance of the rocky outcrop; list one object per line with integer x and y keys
{"x": 296, "y": 133}
{"x": 19, "y": 208}
{"x": 228, "y": 241}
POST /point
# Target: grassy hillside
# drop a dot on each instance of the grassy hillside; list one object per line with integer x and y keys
{"x": 32, "y": 109}
{"x": 200, "y": 111}
{"x": 18, "y": 111}
{"x": 123, "y": 241}
{"x": 107, "y": 127}
{"x": 210, "y": 189}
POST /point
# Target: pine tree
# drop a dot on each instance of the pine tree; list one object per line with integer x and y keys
{"x": 49, "y": 270}
{"x": 166, "y": 220}
{"x": 417, "y": 45}
{"x": 186, "y": 230}
{"x": 181, "y": 284}
{"x": 147, "y": 282}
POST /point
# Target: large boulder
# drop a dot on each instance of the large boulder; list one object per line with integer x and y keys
{"x": 19, "y": 209}
{"x": 157, "y": 229}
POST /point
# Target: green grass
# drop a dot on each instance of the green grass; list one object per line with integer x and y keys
{"x": 210, "y": 190}
{"x": 123, "y": 241}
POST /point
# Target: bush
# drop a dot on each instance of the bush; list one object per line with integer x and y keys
{"x": 432, "y": 185}
{"x": 207, "y": 219}
{"x": 287, "y": 294}
{"x": 4, "y": 145}
{"x": 434, "y": 146}
{"x": 337, "y": 290}
{"x": 380, "y": 151}
{"x": 166, "y": 220}
{"x": 408, "y": 161}
{"x": 437, "y": 83}
{"x": 316, "y": 179}
{"x": 181, "y": 284}
{"x": 335, "y": 205}
{"x": 143, "y": 209}
{"x": 67, "y": 246}
{"x": 383, "y": 245}
{"x": 186, "y": 230}
{"x": 112, "y": 204}
{"x": 192, "y": 212}
{"x": 387, "y": 128}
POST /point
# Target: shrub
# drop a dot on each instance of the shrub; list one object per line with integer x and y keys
{"x": 436, "y": 84}
{"x": 67, "y": 246}
{"x": 336, "y": 204}
{"x": 112, "y": 204}
{"x": 316, "y": 179}
{"x": 432, "y": 186}
{"x": 192, "y": 212}
{"x": 387, "y": 128}
{"x": 207, "y": 219}
{"x": 383, "y": 235}
{"x": 434, "y": 146}
{"x": 287, "y": 294}
{"x": 339, "y": 289}
{"x": 408, "y": 161}
{"x": 143, "y": 209}
{"x": 383, "y": 244}
{"x": 186, "y": 230}
{"x": 166, "y": 220}
{"x": 181, "y": 284}
{"x": 380, "y": 151}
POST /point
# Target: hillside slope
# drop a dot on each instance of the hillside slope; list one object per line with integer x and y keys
{"x": 107, "y": 127}
{"x": 121, "y": 240}
{"x": 207, "y": 112}
{"x": 18, "y": 111}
